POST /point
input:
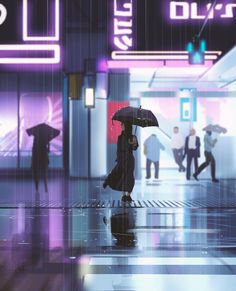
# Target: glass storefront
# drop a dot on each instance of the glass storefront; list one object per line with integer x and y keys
{"x": 19, "y": 113}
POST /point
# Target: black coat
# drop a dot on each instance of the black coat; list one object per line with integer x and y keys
{"x": 40, "y": 160}
{"x": 198, "y": 144}
{"x": 121, "y": 178}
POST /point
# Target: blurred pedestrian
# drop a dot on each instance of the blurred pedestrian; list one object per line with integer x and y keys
{"x": 177, "y": 145}
{"x": 192, "y": 151}
{"x": 209, "y": 144}
{"x": 152, "y": 147}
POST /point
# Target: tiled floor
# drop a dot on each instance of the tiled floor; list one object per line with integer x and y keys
{"x": 176, "y": 235}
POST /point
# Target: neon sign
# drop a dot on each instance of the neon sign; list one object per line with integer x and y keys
{"x": 42, "y": 49}
{"x": 3, "y": 13}
{"x": 123, "y": 22}
{"x": 186, "y": 10}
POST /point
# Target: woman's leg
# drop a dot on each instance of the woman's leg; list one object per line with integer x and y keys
{"x": 123, "y": 197}
{"x": 128, "y": 197}
{"x": 36, "y": 179}
{"x": 45, "y": 177}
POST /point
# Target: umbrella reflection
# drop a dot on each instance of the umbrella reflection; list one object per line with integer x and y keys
{"x": 30, "y": 243}
{"x": 122, "y": 225}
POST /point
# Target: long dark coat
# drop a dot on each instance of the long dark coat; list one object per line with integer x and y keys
{"x": 40, "y": 160}
{"x": 121, "y": 178}
{"x": 42, "y": 133}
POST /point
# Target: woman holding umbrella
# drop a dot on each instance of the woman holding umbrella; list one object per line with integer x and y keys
{"x": 121, "y": 177}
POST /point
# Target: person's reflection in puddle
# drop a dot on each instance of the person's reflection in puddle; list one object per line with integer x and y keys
{"x": 122, "y": 224}
{"x": 30, "y": 242}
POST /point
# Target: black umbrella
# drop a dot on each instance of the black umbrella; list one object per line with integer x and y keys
{"x": 43, "y": 132}
{"x": 136, "y": 116}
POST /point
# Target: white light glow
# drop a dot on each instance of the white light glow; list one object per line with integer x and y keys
{"x": 160, "y": 55}
{"x": 161, "y": 52}
{"x": 173, "y": 10}
{"x": 89, "y": 97}
{"x": 27, "y": 37}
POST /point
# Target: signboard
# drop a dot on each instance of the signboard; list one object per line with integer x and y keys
{"x": 29, "y": 32}
{"x": 165, "y": 25}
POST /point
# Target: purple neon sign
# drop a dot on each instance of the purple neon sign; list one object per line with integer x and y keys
{"x": 185, "y": 10}
{"x": 123, "y": 24}
{"x": 34, "y": 49}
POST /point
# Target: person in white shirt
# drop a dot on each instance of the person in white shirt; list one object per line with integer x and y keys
{"x": 192, "y": 151}
{"x": 177, "y": 145}
{"x": 152, "y": 147}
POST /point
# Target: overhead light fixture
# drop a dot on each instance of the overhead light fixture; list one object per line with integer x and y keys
{"x": 89, "y": 98}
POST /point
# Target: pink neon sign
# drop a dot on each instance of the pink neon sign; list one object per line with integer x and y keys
{"x": 185, "y": 10}
{"x": 123, "y": 24}
{"x": 43, "y": 49}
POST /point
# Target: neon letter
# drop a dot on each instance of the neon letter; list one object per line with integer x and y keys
{"x": 123, "y": 43}
{"x": 229, "y": 11}
{"x": 120, "y": 27}
{"x": 194, "y": 12}
{"x": 184, "y": 12}
{"x": 126, "y": 6}
{"x": 3, "y": 15}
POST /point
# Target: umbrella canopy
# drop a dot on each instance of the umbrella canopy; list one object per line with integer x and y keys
{"x": 215, "y": 128}
{"x": 136, "y": 116}
{"x": 43, "y": 133}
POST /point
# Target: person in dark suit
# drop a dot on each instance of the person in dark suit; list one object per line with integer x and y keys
{"x": 192, "y": 151}
{"x": 209, "y": 144}
{"x": 121, "y": 178}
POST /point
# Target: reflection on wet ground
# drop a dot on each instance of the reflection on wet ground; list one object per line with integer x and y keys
{"x": 78, "y": 241}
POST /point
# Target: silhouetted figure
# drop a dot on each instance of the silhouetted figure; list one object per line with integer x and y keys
{"x": 209, "y": 144}
{"x": 43, "y": 134}
{"x": 152, "y": 147}
{"x": 192, "y": 151}
{"x": 121, "y": 178}
{"x": 177, "y": 145}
